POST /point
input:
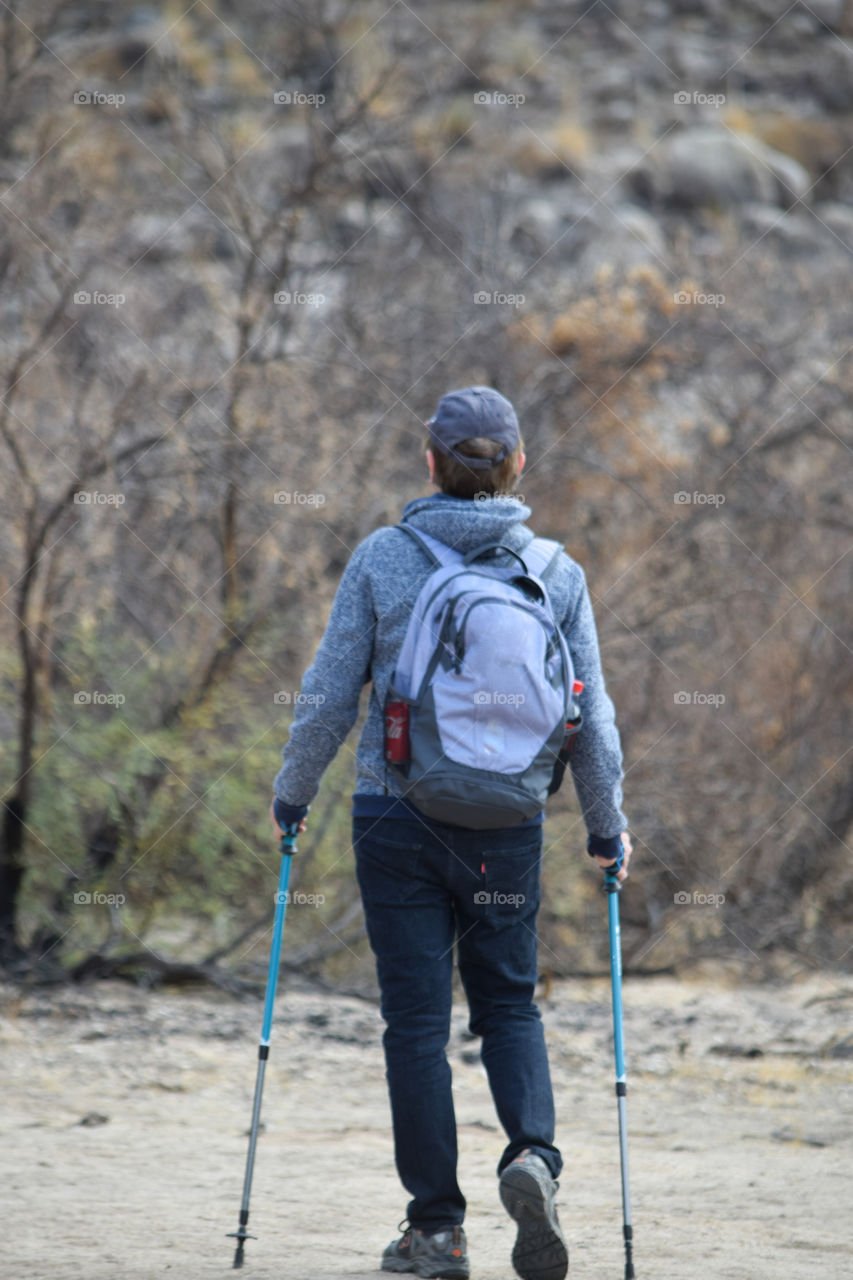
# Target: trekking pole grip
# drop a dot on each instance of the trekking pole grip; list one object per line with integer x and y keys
{"x": 287, "y": 844}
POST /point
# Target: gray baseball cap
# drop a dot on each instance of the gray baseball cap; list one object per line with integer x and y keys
{"x": 474, "y": 411}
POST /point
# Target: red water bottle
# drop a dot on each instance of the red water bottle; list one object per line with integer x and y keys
{"x": 575, "y": 719}
{"x": 571, "y": 730}
{"x": 397, "y": 731}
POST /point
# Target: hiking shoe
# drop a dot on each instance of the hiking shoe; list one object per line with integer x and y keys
{"x": 418, "y": 1254}
{"x": 528, "y": 1192}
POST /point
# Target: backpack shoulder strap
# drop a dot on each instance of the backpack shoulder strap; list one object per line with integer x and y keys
{"x": 542, "y": 556}
{"x": 439, "y": 552}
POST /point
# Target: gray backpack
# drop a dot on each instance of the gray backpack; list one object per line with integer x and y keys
{"x": 480, "y": 713}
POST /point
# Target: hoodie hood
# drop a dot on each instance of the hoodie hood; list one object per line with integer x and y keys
{"x": 466, "y": 523}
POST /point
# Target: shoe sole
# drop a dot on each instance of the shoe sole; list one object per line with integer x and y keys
{"x": 540, "y": 1251}
{"x": 429, "y": 1270}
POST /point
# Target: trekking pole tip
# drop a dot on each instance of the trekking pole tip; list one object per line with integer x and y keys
{"x": 241, "y": 1236}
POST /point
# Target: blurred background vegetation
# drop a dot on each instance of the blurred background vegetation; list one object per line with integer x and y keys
{"x": 245, "y": 248}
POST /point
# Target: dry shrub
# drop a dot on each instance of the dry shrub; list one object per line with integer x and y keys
{"x": 609, "y": 324}
{"x": 611, "y": 340}
{"x": 816, "y": 144}
{"x": 553, "y": 153}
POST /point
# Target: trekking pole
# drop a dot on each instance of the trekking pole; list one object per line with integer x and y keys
{"x": 288, "y": 848}
{"x": 612, "y": 888}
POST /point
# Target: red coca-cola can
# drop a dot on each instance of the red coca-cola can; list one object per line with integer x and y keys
{"x": 397, "y": 731}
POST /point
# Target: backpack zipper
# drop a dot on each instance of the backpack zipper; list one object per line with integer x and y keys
{"x": 531, "y": 609}
{"x": 528, "y": 607}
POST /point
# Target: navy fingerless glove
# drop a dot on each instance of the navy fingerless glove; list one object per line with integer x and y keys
{"x": 288, "y": 814}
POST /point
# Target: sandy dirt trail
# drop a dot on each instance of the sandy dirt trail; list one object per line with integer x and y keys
{"x": 740, "y": 1110}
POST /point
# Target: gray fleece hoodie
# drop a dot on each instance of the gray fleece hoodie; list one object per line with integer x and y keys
{"x": 364, "y": 634}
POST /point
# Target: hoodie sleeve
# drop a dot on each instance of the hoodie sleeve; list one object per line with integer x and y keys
{"x": 596, "y": 758}
{"x": 327, "y": 706}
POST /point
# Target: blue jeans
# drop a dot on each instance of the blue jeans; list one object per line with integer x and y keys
{"x": 425, "y": 885}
